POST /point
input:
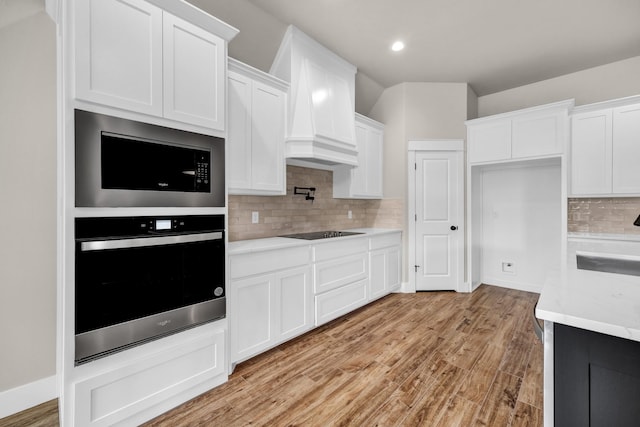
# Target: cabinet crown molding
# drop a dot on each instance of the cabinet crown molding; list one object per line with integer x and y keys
{"x": 198, "y": 17}
{"x": 566, "y": 105}
{"x": 256, "y": 74}
{"x": 613, "y": 103}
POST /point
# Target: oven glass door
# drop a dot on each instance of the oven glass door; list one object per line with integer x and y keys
{"x": 125, "y": 279}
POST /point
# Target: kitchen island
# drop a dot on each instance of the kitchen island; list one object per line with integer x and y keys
{"x": 595, "y": 316}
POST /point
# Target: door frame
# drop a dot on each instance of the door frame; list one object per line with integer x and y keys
{"x": 434, "y": 145}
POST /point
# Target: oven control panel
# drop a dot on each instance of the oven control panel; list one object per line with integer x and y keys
{"x": 112, "y": 227}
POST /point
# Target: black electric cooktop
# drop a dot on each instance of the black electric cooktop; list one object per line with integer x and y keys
{"x": 315, "y": 235}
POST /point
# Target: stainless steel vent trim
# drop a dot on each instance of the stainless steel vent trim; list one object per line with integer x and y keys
{"x": 101, "y": 342}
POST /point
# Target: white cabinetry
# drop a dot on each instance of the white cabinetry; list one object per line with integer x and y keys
{"x": 384, "y": 264}
{"x": 256, "y": 111}
{"x": 525, "y": 134}
{"x": 132, "y": 55}
{"x": 591, "y": 151}
{"x": 626, "y": 150}
{"x": 131, "y": 388}
{"x": 605, "y": 146}
{"x": 340, "y": 273}
{"x": 270, "y": 299}
{"x": 365, "y": 180}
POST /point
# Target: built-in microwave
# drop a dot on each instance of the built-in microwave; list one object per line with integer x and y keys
{"x": 125, "y": 163}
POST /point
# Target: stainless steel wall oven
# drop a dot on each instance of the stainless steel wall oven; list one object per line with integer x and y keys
{"x": 140, "y": 278}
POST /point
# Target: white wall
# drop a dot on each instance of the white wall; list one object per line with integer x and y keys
{"x": 611, "y": 81}
{"x": 521, "y": 224}
{"x": 28, "y": 200}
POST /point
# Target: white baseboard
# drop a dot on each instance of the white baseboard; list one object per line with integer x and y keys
{"x": 520, "y": 286}
{"x": 405, "y": 288}
{"x": 27, "y": 396}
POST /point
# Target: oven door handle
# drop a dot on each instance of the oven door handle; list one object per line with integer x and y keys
{"x": 101, "y": 245}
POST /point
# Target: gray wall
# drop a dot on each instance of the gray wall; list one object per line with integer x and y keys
{"x": 611, "y": 81}
{"x": 415, "y": 111}
{"x": 28, "y": 206}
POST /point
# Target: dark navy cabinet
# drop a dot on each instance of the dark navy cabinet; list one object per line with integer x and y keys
{"x": 597, "y": 379}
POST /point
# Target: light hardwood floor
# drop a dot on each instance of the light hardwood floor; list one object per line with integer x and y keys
{"x": 425, "y": 359}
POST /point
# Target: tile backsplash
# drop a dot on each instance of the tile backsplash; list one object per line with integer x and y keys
{"x": 603, "y": 215}
{"x": 289, "y": 214}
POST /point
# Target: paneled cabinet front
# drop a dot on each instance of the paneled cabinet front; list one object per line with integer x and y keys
{"x": 132, "y": 55}
{"x": 269, "y": 301}
{"x": 525, "y": 134}
{"x": 365, "y": 180}
{"x": 384, "y": 264}
{"x": 605, "y": 146}
{"x": 256, "y": 132}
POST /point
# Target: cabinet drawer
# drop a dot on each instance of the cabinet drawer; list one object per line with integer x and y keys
{"x": 339, "y": 272}
{"x": 385, "y": 241}
{"x": 337, "y": 302}
{"x": 339, "y": 248}
{"x": 137, "y": 390}
{"x": 243, "y": 265}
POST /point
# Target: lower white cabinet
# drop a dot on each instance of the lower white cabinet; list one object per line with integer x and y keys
{"x": 139, "y": 384}
{"x": 277, "y": 294}
{"x": 270, "y": 300}
{"x": 384, "y": 262}
{"x": 341, "y": 273}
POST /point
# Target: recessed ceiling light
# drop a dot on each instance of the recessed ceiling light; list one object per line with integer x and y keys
{"x": 397, "y": 46}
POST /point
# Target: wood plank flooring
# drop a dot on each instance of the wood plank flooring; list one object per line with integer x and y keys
{"x": 425, "y": 359}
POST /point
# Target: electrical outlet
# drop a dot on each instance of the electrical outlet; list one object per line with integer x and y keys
{"x": 508, "y": 267}
{"x": 255, "y": 217}
{"x": 350, "y": 215}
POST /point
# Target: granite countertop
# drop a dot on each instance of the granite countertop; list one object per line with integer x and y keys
{"x": 607, "y": 303}
{"x": 272, "y": 243}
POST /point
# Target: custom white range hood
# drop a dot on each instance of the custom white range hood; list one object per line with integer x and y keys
{"x": 321, "y": 126}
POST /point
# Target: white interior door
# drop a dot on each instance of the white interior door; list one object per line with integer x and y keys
{"x": 439, "y": 220}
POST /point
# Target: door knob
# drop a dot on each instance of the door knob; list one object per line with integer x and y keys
{"x": 454, "y": 227}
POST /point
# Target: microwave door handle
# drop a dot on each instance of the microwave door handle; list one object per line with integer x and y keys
{"x": 101, "y": 245}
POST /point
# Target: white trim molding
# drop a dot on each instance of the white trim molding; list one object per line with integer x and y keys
{"x": 27, "y": 396}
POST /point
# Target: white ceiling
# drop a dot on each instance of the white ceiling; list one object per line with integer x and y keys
{"x": 491, "y": 44}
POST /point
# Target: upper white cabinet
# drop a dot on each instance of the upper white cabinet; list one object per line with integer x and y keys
{"x": 365, "y": 180}
{"x": 320, "y": 125}
{"x": 605, "y": 146}
{"x": 132, "y": 55}
{"x": 193, "y": 67}
{"x": 591, "y": 151}
{"x": 524, "y": 134}
{"x": 626, "y": 149}
{"x": 256, "y": 114}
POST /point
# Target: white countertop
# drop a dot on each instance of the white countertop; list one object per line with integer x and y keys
{"x": 602, "y": 302}
{"x": 272, "y": 243}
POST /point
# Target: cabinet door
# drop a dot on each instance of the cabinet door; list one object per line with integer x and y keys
{"x": 267, "y": 139}
{"x": 591, "y": 139}
{"x": 374, "y": 162}
{"x": 394, "y": 255}
{"x": 239, "y": 132}
{"x": 359, "y": 173}
{"x": 194, "y": 74}
{"x": 295, "y": 302}
{"x": 489, "y": 141}
{"x": 537, "y": 135}
{"x": 119, "y": 54}
{"x": 626, "y": 149}
{"x": 251, "y": 310}
{"x": 378, "y": 275}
